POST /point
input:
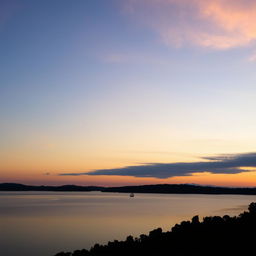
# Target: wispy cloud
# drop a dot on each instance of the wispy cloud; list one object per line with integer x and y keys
{"x": 223, "y": 164}
{"x": 218, "y": 24}
{"x": 117, "y": 58}
{"x": 128, "y": 58}
{"x": 252, "y": 58}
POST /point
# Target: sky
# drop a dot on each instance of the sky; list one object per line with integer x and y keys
{"x": 128, "y": 92}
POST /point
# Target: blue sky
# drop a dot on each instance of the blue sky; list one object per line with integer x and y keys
{"x": 88, "y": 85}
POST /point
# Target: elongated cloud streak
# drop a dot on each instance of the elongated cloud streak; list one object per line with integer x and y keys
{"x": 224, "y": 164}
{"x": 218, "y": 24}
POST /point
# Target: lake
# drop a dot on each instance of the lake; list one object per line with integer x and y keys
{"x": 44, "y": 223}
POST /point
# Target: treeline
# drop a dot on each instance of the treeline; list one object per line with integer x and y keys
{"x": 181, "y": 189}
{"x": 158, "y": 188}
{"x": 21, "y": 187}
{"x": 213, "y": 236}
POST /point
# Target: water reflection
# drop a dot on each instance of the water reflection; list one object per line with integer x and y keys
{"x": 43, "y": 223}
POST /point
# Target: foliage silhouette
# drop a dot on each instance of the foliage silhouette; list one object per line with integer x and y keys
{"x": 213, "y": 236}
{"x": 156, "y": 189}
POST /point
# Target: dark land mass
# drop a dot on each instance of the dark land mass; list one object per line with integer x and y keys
{"x": 161, "y": 189}
{"x": 181, "y": 189}
{"x": 213, "y": 236}
{"x": 21, "y": 187}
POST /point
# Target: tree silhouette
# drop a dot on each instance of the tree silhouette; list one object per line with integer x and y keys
{"x": 214, "y": 236}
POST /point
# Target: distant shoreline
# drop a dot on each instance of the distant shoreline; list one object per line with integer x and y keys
{"x": 154, "y": 189}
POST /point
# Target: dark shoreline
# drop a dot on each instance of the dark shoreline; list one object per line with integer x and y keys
{"x": 213, "y": 236}
{"x": 155, "y": 189}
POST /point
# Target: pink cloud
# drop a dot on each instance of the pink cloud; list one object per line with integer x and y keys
{"x": 217, "y": 24}
{"x": 252, "y": 58}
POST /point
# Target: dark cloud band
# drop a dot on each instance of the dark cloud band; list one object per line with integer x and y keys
{"x": 223, "y": 164}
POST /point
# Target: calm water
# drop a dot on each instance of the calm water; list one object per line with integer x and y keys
{"x": 44, "y": 223}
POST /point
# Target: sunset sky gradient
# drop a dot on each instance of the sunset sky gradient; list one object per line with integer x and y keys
{"x": 92, "y": 86}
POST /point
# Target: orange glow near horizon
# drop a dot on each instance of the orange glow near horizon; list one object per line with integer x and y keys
{"x": 173, "y": 81}
{"x": 50, "y": 174}
{"x": 246, "y": 179}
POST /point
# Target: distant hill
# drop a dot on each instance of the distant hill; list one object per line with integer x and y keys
{"x": 21, "y": 187}
{"x": 181, "y": 189}
{"x": 157, "y": 189}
